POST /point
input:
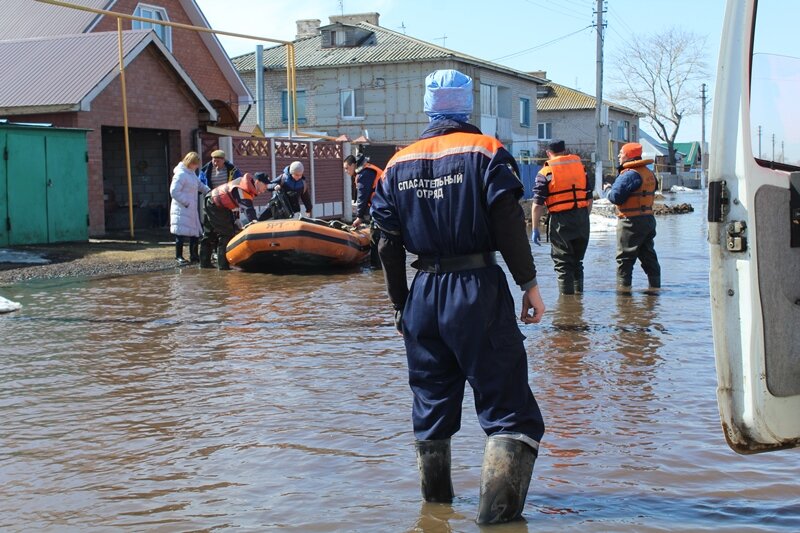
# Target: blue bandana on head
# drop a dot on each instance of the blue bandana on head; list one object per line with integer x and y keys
{"x": 448, "y": 95}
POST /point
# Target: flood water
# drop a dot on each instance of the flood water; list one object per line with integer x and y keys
{"x": 188, "y": 400}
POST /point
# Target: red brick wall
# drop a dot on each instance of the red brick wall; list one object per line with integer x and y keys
{"x": 187, "y": 47}
{"x": 155, "y": 101}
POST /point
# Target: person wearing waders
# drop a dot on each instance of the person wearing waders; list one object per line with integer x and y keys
{"x": 633, "y": 193}
{"x": 451, "y": 198}
{"x": 562, "y": 186}
{"x": 366, "y": 177}
{"x": 219, "y": 225}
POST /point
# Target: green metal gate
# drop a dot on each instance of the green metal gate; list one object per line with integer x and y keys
{"x": 43, "y": 185}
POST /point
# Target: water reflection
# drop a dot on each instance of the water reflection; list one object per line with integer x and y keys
{"x": 193, "y": 400}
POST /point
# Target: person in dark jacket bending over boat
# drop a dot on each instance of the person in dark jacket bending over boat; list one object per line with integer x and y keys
{"x": 451, "y": 198}
{"x": 292, "y": 179}
{"x": 366, "y": 177}
{"x": 633, "y": 193}
{"x": 219, "y": 225}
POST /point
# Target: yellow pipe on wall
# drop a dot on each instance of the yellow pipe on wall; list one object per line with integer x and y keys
{"x": 125, "y": 124}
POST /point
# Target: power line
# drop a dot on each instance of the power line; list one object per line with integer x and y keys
{"x": 542, "y": 45}
{"x": 551, "y": 8}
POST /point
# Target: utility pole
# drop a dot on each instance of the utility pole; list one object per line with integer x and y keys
{"x": 703, "y": 150}
{"x": 759, "y": 142}
{"x": 773, "y": 147}
{"x": 783, "y": 154}
{"x": 599, "y": 149}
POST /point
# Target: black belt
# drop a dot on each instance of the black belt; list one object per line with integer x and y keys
{"x": 454, "y": 263}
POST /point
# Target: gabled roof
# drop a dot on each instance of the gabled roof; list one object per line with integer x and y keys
{"x": 70, "y": 71}
{"x": 562, "y": 98}
{"x": 691, "y": 149}
{"x": 385, "y": 46}
{"x": 25, "y": 18}
{"x": 653, "y": 147}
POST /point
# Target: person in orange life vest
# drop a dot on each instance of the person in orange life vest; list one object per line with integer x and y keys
{"x": 633, "y": 193}
{"x": 366, "y": 176}
{"x": 452, "y": 199}
{"x": 219, "y": 225}
{"x": 563, "y": 187}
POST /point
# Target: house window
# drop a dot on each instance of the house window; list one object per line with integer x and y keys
{"x": 286, "y": 106}
{"x": 156, "y": 14}
{"x": 545, "y": 131}
{"x": 351, "y": 103}
{"x": 488, "y": 100}
{"x": 525, "y": 112}
{"x": 634, "y": 133}
{"x": 623, "y": 127}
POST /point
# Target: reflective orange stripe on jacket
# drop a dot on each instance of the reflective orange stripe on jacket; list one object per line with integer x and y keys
{"x": 566, "y": 189}
{"x": 378, "y": 176}
{"x": 222, "y": 196}
{"x": 445, "y": 145}
{"x": 640, "y": 202}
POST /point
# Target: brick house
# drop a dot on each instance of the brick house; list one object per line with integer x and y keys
{"x": 568, "y": 114}
{"x": 357, "y": 78}
{"x": 63, "y": 70}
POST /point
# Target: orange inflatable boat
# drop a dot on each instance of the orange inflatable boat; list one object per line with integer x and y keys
{"x": 281, "y": 245}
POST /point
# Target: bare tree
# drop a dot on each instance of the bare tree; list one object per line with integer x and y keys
{"x": 659, "y": 75}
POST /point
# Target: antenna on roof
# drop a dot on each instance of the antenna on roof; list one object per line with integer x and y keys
{"x": 443, "y": 38}
{"x": 341, "y": 6}
{"x": 403, "y": 27}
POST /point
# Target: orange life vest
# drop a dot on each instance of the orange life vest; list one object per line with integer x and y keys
{"x": 378, "y": 176}
{"x": 640, "y": 202}
{"x": 222, "y": 196}
{"x": 566, "y": 189}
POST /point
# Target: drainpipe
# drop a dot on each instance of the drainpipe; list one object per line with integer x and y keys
{"x": 260, "y": 108}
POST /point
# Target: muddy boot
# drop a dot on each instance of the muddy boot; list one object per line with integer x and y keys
{"x": 505, "y": 476}
{"x": 222, "y": 259}
{"x": 433, "y": 460}
{"x": 205, "y": 255}
{"x": 624, "y": 284}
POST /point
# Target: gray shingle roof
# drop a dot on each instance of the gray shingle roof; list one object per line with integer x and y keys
{"x": 386, "y": 46}
{"x": 26, "y": 18}
{"x": 562, "y": 98}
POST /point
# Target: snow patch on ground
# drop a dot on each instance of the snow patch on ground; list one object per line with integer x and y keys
{"x": 7, "y": 306}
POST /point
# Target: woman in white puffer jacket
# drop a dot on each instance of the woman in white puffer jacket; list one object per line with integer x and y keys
{"x": 184, "y": 217}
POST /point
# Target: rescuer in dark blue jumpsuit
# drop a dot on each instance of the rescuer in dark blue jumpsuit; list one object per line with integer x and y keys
{"x": 451, "y": 198}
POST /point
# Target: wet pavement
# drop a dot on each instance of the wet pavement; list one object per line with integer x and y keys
{"x": 187, "y": 400}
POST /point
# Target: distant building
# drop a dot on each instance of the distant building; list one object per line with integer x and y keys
{"x": 60, "y": 66}
{"x": 565, "y": 113}
{"x": 356, "y": 78}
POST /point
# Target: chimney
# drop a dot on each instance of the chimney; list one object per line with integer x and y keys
{"x": 372, "y": 18}
{"x": 538, "y": 73}
{"x": 307, "y": 28}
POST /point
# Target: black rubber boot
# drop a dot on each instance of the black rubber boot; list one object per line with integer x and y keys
{"x": 194, "y": 257}
{"x": 222, "y": 259}
{"x": 654, "y": 282}
{"x": 205, "y": 255}
{"x": 624, "y": 284}
{"x": 505, "y": 476}
{"x": 566, "y": 287}
{"x": 433, "y": 460}
{"x": 579, "y": 284}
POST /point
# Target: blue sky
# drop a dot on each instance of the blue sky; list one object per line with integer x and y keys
{"x": 504, "y": 32}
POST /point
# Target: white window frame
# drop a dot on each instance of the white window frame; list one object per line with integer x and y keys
{"x": 142, "y": 10}
{"x": 352, "y": 113}
{"x": 524, "y": 102}
{"x": 547, "y": 126}
{"x": 488, "y": 94}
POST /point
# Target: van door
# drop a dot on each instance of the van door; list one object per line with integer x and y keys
{"x": 754, "y": 226}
